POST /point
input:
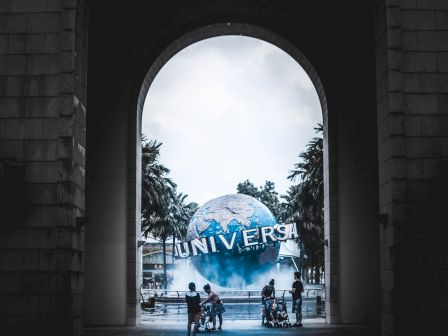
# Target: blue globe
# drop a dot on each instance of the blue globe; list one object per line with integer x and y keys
{"x": 225, "y": 215}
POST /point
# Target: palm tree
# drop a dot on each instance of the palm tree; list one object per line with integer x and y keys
{"x": 182, "y": 214}
{"x": 158, "y": 191}
{"x": 304, "y": 202}
{"x": 164, "y": 212}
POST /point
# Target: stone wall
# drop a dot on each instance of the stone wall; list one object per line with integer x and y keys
{"x": 43, "y": 68}
{"x": 412, "y": 104}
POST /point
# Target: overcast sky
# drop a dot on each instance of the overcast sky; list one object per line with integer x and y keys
{"x": 228, "y": 109}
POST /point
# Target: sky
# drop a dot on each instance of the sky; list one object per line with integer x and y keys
{"x": 227, "y": 109}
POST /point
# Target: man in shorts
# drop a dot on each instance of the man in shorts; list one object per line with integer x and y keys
{"x": 296, "y": 291}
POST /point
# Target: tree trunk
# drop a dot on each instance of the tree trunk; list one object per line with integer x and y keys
{"x": 164, "y": 262}
{"x": 172, "y": 257}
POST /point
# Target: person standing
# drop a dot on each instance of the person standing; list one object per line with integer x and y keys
{"x": 193, "y": 300}
{"x": 296, "y": 291}
{"x": 268, "y": 292}
{"x": 213, "y": 299}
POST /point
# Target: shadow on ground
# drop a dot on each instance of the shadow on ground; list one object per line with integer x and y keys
{"x": 310, "y": 327}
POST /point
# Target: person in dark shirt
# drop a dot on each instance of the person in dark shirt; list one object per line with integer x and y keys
{"x": 267, "y": 292}
{"x": 193, "y": 307}
{"x": 296, "y": 291}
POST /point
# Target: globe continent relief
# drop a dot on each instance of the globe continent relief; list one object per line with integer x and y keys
{"x": 225, "y": 215}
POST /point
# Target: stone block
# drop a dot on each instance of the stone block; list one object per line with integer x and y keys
{"x": 32, "y": 128}
{"x": 9, "y": 282}
{"x": 442, "y": 20}
{"x": 42, "y": 64}
{"x": 65, "y": 148}
{"x": 442, "y": 61}
{"x": 408, "y": 4}
{"x": 3, "y": 86}
{"x": 12, "y": 107}
{"x": 79, "y": 176}
{"x": 4, "y": 42}
{"x": 47, "y": 261}
{"x": 43, "y": 23}
{"x": 65, "y": 126}
{"x": 46, "y": 304}
{"x": 68, "y": 19}
{"x": 443, "y": 103}
{"x": 66, "y": 216}
{"x": 51, "y": 85}
{"x": 433, "y": 40}
{"x": 65, "y": 170}
{"x": 418, "y": 20}
{"x": 49, "y": 128}
{"x": 42, "y": 44}
{"x": 32, "y": 85}
{"x": 421, "y": 103}
{"x": 13, "y": 23}
{"x": 79, "y": 198}
{"x": 420, "y": 62}
{"x": 13, "y": 86}
{"x": 430, "y": 125}
{"x": 12, "y": 64}
{"x": 414, "y": 169}
{"x": 443, "y": 125}
{"x": 79, "y": 154}
{"x": 434, "y": 82}
{"x": 49, "y": 215}
{"x": 42, "y": 107}
{"x": 14, "y": 128}
{"x": 23, "y": 260}
{"x": 43, "y": 193}
{"x": 67, "y": 82}
{"x": 431, "y": 168}
{"x": 11, "y": 148}
{"x": 68, "y": 40}
{"x": 422, "y": 147}
{"x": 22, "y": 305}
{"x": 411, "y": 82}
{"x": 41, "y": 172}
{"x": 17, "y": 43}
{"x": 65, "y": 193}
{"x": 40, "y": 150}
{"x": 27, "y": 6}
{"x": 432, "y": 4}
{"x": 36, "y": 283}
{"x": 410, "y": 40}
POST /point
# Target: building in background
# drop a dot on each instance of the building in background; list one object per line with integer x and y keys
{"x": 152, "y": 261}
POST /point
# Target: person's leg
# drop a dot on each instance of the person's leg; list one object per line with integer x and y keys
{"x": 299, "y": 310}
{"x": 190, "y": 320}
{"x": 196, "y": 323}
{"x": 220, "y": 320}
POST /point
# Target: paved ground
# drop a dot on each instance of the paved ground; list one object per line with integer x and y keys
{"x": 312, "y": 327}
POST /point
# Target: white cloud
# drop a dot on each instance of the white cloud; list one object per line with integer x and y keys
{"x": 228, "y": 109}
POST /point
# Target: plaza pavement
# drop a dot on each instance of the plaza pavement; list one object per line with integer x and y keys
{"x": 311, "y": 327}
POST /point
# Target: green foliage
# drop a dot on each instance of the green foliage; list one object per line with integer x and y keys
{"x": 164, "y": 211}
{"x": 304, "y": 202}
{"x": 266, "y": 194}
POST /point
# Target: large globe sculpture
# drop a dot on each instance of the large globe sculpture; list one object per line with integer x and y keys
{"x": 240, "y": 266}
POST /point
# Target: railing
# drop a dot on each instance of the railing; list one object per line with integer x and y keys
{"x": 240, "y": 304}
{"x": 241, "y": 295}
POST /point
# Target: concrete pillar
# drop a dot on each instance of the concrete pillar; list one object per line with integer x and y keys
{"x": 43, "y": 67}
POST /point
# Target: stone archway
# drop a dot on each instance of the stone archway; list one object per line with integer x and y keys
{"x": 124, "y": 118}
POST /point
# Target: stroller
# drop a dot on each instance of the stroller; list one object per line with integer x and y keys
{"x": 281, "y": 318}
{"x": 276, "y": 313}
{"x": 206, "y": 319}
